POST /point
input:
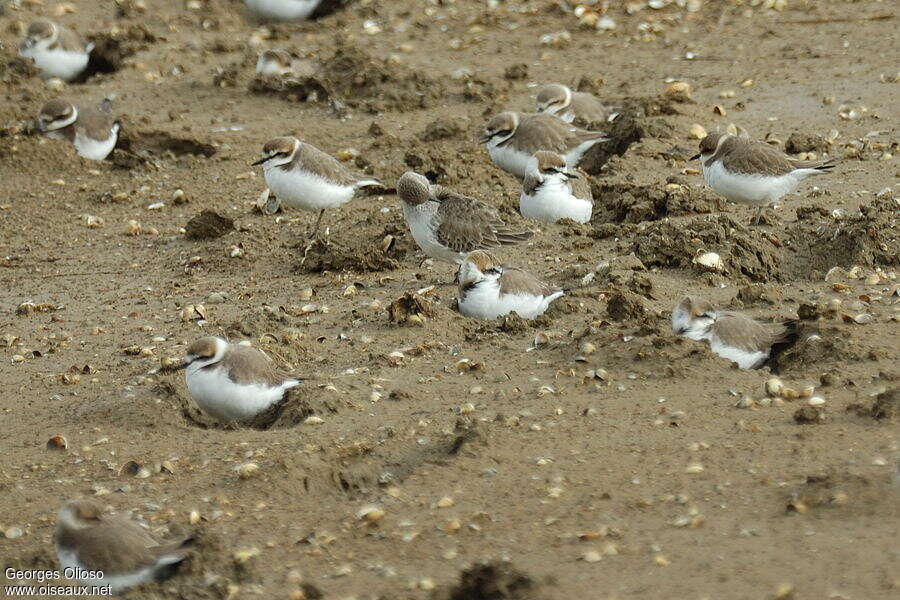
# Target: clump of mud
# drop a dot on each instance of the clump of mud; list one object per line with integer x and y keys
{"x": 149, "y": 144}
{"x": 632, "y": 203}
{"x": 638, "y": 118}
{"x": 350, "y": 252}
{"x": 886, "y": 406}
{"x": 352, "y": 77}
{"x": 208, "y": 225}
{"x": 15, "y": 70}
{"x": 491, "y": 581}
{"x": 114, "y": 46}
{"x": 814, "y": 349}
{"x": 869, "y": 238}
{"x": 410, "y": 309}
{"x": 746, "y": 253}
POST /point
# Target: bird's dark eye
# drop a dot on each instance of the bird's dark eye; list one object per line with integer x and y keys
{"x": 504, "y": 132}
{"x": 493, "y": 271}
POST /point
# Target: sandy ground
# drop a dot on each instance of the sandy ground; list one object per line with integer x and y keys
{"x": 609, "y": 462}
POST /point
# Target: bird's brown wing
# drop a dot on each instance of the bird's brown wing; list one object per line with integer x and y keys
{"x": 248, "y": 365}
{"x": 94, "y": 123}
{"x": 744, "y": 156}
{"x": 316, "y": 161}
{"x": 118, "y": 545}
{"x": 546, "y": 132}
{"x": 69, "y": 40}
{"x": 517, "y": 281}
{"x": 581, "y": 188}
{"x": 589, "y": 108}
{"x": 742, "y": 332}
{"x": 467, "y": 224}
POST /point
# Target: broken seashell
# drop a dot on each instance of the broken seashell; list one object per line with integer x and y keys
{"x": 247, "y": 470}
{"x": 698, "y": 131}
{"x": 678, "y": 90}
{"x": 774, "y": 386}
{"x": 57, "y": 442}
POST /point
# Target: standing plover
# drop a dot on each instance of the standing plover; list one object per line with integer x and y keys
{"x": 552, "y": 191}
{"x": 447, "y": 225}
{"x": 749, "y": 172}
{"x": 93, "y": 131}
{"x": 731, "y": 335}
{"x": 274, "y": 63}
{"x": 56, "y": 50}
{"x": 303, "y": 176}
{"x": 107, "y": 550}
{"x": 559, "y": 100}
{"x": 282, "y": 10}
{"x": 512, "y": 138}
{"x": 489, "y": 289}
{"x": 232, "y": 383}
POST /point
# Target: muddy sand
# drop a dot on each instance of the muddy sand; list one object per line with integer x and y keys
{"x": 612, "y": 460}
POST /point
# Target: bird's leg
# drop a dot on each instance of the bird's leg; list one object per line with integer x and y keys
{"x": 313, "y": 236}
{"x": 315, "y": 231}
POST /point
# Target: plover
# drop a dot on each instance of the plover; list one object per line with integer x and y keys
{"x": 447, "y": 225}
{"x": 282, "y": 10}
{"x": 552, "y": 191}
{"x": 93, "y": 131}
{"x": 559, "y": 100}
{"x": 749, "y": 172}
{"x": 56, "y": 50}
{"x": 274, "y": 63}
{"x": 511, "y": 138}
{"x": 106, "y": 550}
{"x": 303, "y": 176}
{"x": 731, "y": 335}
{"x": 489, "y": 289}
{"x": 232, "y": 383}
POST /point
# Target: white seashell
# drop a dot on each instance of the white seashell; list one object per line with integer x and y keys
{"x": 710, "y": 261}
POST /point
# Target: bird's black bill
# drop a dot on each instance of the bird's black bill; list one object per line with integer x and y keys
{"x": 259, "y": 162}
{"x": 485, "y": 138}
{"x": 695, "y": 157}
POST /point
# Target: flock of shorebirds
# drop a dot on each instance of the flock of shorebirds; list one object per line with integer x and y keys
{"x": 233, "y": 383}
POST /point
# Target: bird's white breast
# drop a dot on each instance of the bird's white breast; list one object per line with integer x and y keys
{"x": 508, "y": 158}
{"x": 484, "y": 301}
{"x": 119, "y": 582}
{"x": 552, "y": 201}
{"x": 421, "y": 222}
{"x": 748, "y": 189}
{"x": 745, "y": 359}
{"x": 305, "y": 190}
{"x": 96, "y": 149}
{"x": 64, "y": 64}
{"x": 227, "y": 401}
{"x": 283, "y": 10}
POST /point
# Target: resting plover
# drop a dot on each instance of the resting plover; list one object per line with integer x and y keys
{"x": 749, "y": 172}
{"x": 512, "y": 138}
{"x": 559, "y": 100}
{"x": 233, "y": 383}
{"x": 107, "y": 550}
{"x": 93, "y": 131}
{"x": 56, "y": 50}
{"x": 447, "y": 225}
{"x": 731, "y": 335}
{"x": 274, "y": 63}
{"x": 552, "y": 191}
{"x": 282, "y": 10}
{"x": 489, "y": 289}
{"x": 303, "y": 176}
